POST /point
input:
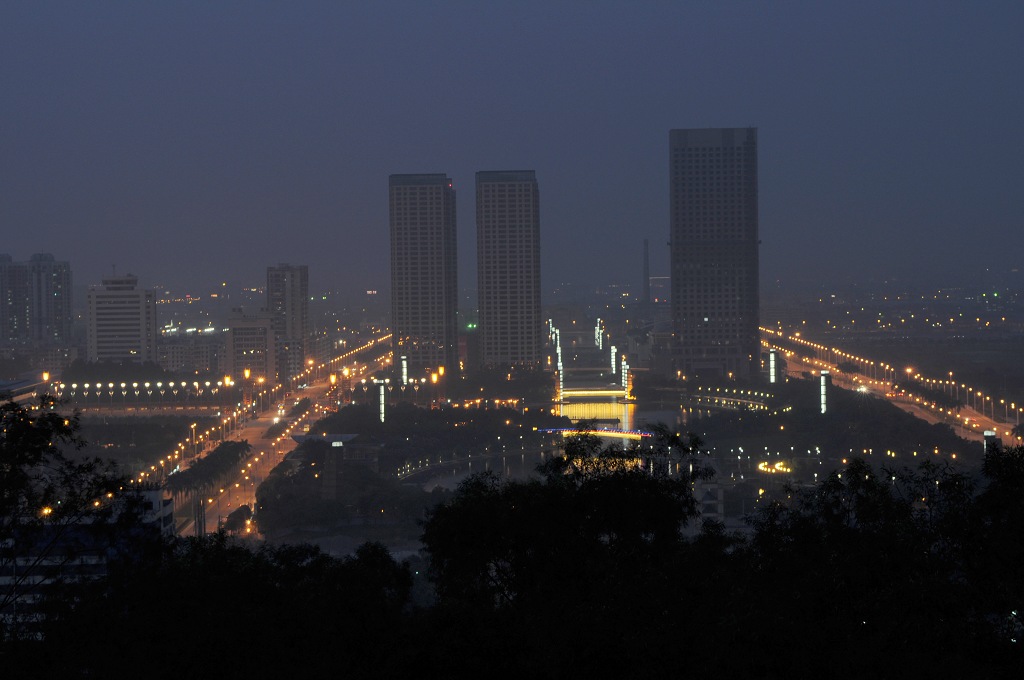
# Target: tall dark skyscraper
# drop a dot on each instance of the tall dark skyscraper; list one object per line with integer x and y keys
{"x": 288, "y": 302}
{"x": 424, "y": 284}
{"x": 714, "y": 250}
{"x": 35, "y": 301}
{"x": 508, "y": 268}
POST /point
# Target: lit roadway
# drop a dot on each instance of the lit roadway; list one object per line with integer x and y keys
{"x": 969, "y": 423}
{"x": 240, "y": 488}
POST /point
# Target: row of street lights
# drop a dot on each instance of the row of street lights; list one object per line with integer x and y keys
{"x": 975, "y": 398}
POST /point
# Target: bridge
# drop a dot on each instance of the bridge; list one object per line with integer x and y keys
{"x": 437, "y": 463}
{"x": 634, "y": 435}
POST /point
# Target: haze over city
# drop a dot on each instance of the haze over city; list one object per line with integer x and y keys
{"x": 192, "y": 143}
{"x": 466, "y": 339}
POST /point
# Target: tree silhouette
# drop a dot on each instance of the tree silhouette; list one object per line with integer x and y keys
{"x": 46, "y": 498}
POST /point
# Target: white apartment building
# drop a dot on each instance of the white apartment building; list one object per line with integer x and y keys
{"x": 121, "y": 321}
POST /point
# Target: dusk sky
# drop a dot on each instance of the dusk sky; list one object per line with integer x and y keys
{"x": 191, "y": 143}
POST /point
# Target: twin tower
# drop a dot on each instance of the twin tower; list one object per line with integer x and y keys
{"x": 424, "y": 263}
{"x": 714, "y": 244}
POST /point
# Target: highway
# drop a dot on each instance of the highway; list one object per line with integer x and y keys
{"x": 968, "y": 423}
{"x": 240, "y": 489}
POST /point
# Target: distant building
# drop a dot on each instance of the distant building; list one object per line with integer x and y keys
{"x": 508, "y": 268}
{"x": 288, "y": 301}
{"x": 121, "y": 322}
{"x": 660, "y": 288}
{"x": 35, "y": 301}
{"x": 191, "y": 353}
{"x": 424, "y": 291}
{"x": 251, "y": 345}
{"x": 714, "y": 250}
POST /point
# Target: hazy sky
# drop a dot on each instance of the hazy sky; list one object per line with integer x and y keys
{"x": 194, "y": 142}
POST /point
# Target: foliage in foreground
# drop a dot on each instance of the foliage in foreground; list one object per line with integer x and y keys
{"x": 213, "y": 607}
{"x": 589, "y": 572}
{"x": 55, "y": 508}
{"x": 897, "y": 573}
{"x": 293, "y": 497}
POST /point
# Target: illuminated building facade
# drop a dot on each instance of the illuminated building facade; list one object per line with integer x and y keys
{"x": 508, "y": 268}
{"x": 714, "y": 250}
{"x": 424, "y": 292}
{"x": 121, "y": 323}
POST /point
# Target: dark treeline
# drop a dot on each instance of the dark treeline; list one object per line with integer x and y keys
{"x": 410, "y": 433}
{"x": 587, "y": 571}
{"x": 300, "y": 407}
{"x": 357, "y": 500}
{"x": 854, "y": 423}
{"x": 317, "y": 492}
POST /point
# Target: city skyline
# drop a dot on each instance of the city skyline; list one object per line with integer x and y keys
{"x": 165, "y": 140}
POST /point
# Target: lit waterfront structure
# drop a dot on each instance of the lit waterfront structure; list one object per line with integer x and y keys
{"x": 714, "y": 250}
{"x": 508, "y": 268}
{"x": 121, "y": 323}
{"x": 424, "y": 290}
{"x": 35, "y": 301}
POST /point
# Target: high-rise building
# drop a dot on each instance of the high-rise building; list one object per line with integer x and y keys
{"x": 508, "y": 268}
{"x": 288, "y": 302}
{"x": 424, "y": 291}
{"x": 121, "y": 323}
{"x": 714, "y": 250}
{"x": 35, "y": 301}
